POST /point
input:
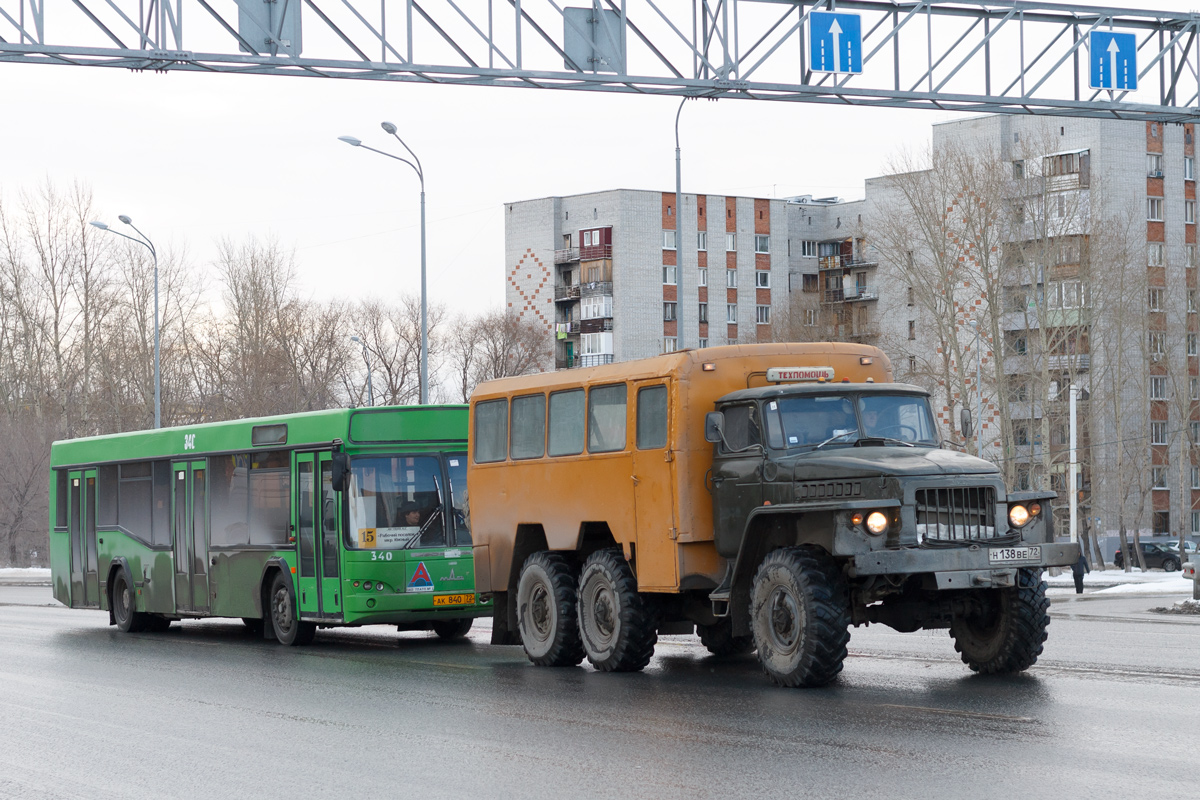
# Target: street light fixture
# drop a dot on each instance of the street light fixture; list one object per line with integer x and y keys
{"x": 145, "y": 242}
{"x": 366, "y": 357}
{"x": 356, "y": 142}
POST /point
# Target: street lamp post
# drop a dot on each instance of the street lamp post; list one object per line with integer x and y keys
{"x": 355, "y": 142}
{"x": 679, "y": 305}
{"x": 145, "y": 242}
{"x": 366, "y": 357}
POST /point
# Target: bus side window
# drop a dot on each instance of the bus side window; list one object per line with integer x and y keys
{"x": 528, "y": 426}
{"x": 606, "y": 418}
{"x": 491, "y": 431}
{"x": 652, "y": 418}
{"x": 106, "y": 491}
{"x": 60, "y": 499}
{"x": 741, "y": 428}
{"x": 566, "y": 423}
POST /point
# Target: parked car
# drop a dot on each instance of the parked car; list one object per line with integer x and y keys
{"x": 1156, "y": 557}
{"x": 1190, "y": 549}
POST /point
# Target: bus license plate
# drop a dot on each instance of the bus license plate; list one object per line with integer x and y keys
{"x": 1014, "y": 555}
{"x": 454, "y": 600}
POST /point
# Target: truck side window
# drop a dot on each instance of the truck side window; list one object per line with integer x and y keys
{"x": 741, "y": 428}
{"x": 606, "y": 419}
{"x": 652, "y": 418}
{"x": 491, "y": 431}
{"x": 566, "y": 423}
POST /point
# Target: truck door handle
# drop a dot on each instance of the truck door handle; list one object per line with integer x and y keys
{"x": 635, "y": 479}
{"x": 213, "y": 561}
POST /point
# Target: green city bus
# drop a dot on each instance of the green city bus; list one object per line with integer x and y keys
{"x": 343, "y": 517}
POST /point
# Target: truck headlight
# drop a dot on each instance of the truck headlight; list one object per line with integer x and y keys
{"x": 877, "y": 522}
{"x": 1018, "y": 515}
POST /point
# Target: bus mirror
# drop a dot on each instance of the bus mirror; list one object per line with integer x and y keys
{"x": 714, "y": 427}
{"x": 965, "y": 423}
{"x": 341, "y": 468}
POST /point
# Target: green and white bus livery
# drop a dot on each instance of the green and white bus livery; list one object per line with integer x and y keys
{"x": 331, "y": 518}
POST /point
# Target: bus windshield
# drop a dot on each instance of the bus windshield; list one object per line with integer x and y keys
{"x": 811, "y": 420}
{"x": 396, "y": 503}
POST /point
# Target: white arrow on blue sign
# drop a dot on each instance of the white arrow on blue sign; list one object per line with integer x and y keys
{"x": 1113, "y": 60}
{"x": 835, "y": 42}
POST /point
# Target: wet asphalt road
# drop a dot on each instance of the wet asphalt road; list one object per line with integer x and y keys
{"x": 1111, "y": 710}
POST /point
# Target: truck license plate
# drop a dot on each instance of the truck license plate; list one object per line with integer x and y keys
{"x": 1014, "y": 555}
{"x": 454, "y": 600}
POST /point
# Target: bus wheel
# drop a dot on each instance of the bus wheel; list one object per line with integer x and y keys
{"x": 288, "y": 629}
{"x": 546, "y": 611}
{"x": 800, "y": 617}
{"x": 453, "y": 628}
{"x": 1008, "y": 633}
{"x": 720, "y": 641}
{"x": 128, "y": 620}
{"x": 617, "y": 628}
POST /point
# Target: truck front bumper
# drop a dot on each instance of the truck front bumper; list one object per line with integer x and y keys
{"x": 960, "y": 567}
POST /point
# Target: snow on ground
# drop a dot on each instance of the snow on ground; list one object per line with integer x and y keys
{"x": 24, "y": 574}
{"x": 1116, "y": 581}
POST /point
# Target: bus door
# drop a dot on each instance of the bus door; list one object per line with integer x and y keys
{"x": 653, "y": 486}
{"x": 85, "y": 583}
{"x": 316, "y": 516}
{"x": 191, "y": 546}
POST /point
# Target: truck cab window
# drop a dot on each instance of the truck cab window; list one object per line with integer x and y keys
{"x": 741, "y": 428}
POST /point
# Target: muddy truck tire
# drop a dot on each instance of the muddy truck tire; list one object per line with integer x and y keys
{"x": 1007, "y": 636}
{"x": 546, "y": 611}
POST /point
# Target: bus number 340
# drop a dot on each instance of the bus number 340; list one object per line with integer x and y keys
{"x": 384, "y": 556}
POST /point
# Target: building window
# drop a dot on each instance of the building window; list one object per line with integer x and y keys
{"x": 596, "y": 307}
{"x": 1189, "y": 168}
{"x": 1158, "y": 344}
{"x": 763, "y": 314}
{"x": 1158, "y": 477}
{"x": 912, "y": 365}
{"x": 1194, "y": 387}
{"x": 912, "y": 329}
{"x": 912, "y": 296}
{"x": 731, "y": 279}
{"x": 1191, "y": 254}
{"x": 1189, "y": 212}
{"x": 669, "y": 274}
{"x": 668, "y": 240}
{"x": 1191, "y": 301}
{"x": 811, "y": 284}
{"x": 701, "y": 240}
{"x": 1158, "y": 387}
{"x": 1158, "y": 433}
{"x": 762, "y": 243}
{"x": 1018, "y": 170}
{"x": 810, "y": 317}
{"x": 731, "y": 313}
{"x": 1016, "y": 343}
{"x": 1191, "y": 344}
{"x": 1154, "y": 255}
{"x": 1154, "y": 209}
{"x": 808, "y": 248}
{"x": 702, "y": 276}
{"x": 1195, "y": 523}
{"x": 703, "y": 315}
{"x": 1196, "y": 477}
{"x": 1154, "y": 165}
{"x": 703, "y": 342}
{"x": 669, "y": 310}
{"x": 730, "y": 242}
{"x": 1156, "y": 298}
{"x": 670, "y": 344}
{"x": 762, "y": 279}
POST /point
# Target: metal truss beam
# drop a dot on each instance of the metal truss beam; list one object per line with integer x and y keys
{"x": 1010, "y": 57}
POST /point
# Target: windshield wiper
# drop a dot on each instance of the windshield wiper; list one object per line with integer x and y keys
{"x": 835, "y": 436}
{"x": 885, "y": 439}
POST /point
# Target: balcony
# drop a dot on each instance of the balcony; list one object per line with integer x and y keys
{"x": 566, "y": 293}
{"x": 598, "y": 325}
{"x": 566, "y": 256}
{"x": 594, "y": 252}
{"x": 1080, "y": 362}
{"x": 571, "y": 327}
{"x": 593, "y": 360}
{"x": 595, "y": 287}
{"x": 863, "y": 293}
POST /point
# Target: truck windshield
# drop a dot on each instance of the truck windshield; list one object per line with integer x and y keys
{"x": 396, "y": 503}
{"x": 842, "y": 420}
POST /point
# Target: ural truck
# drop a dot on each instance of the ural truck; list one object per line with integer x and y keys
{"x": 768, "y": 497}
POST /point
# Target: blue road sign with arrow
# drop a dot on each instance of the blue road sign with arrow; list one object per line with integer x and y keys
{"x": 835, "y": 42}
{"x": 1113, "y": 60}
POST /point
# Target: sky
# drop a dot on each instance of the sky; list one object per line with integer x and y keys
{"x": 194, "y": 158}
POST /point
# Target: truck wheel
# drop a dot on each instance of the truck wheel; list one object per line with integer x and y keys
{"x": 720, "y": 641}
{"x": 1008, "y": 635}
{"x": 800, "y": 617}
{"x": 618, "y": 630}
{"x": 453, "y": 628}
{"x": 546, "y": 611}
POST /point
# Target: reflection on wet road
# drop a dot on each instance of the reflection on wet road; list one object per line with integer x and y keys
{"x": 206, "y": 710}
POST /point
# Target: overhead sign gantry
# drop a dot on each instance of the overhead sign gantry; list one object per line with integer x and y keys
{"x": 971, "y": 55}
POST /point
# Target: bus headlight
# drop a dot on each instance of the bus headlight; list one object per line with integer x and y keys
{"x": 1018, "y": 515}
{"x": 877, "y": 522}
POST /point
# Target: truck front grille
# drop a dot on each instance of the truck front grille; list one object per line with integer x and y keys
{"x": 962, "y": 514}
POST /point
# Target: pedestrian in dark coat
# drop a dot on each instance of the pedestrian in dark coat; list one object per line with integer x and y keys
{"x": 1078, "y": 569}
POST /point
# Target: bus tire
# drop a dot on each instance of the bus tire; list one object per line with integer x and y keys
{"x": 800, "y": 617}
{"x": 288, "y": 629}
{"x": 453, "y": 628}
{"x": 1008, "y": 635}
{"x": 618, "y": 630}
{"x": 122, "y": 604}
{"x": 546, "y": 611}
{"x": 720, "y": 641}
